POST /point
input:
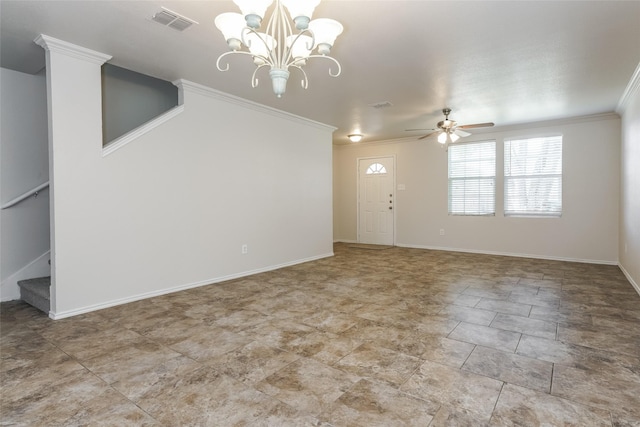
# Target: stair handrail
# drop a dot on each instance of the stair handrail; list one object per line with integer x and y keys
{"x": 32, "y": 192}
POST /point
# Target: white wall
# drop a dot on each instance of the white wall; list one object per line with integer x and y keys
{"x": 172, "y": 209}
{"x": 24, "y": 228}
{"x": 630, "y": 187}
{"x": 587, "y": 230}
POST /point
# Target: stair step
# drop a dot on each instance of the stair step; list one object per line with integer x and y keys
{"x": 36, "y": 292}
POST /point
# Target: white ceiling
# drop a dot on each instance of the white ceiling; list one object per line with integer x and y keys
{"x": 508, "y": 62}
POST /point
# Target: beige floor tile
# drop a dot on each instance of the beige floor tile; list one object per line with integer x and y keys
{"x": 553, "y": 314}
{"x": 609, "y": 388}
{"x": 487, "y": 291}
{"x": 485, "y": 336}
{"x": 382, "y": 335}
{"x": 327, "y": 321}
{"x": 283, "y": 415}
{"x": 277, "y": 332}
{"x": 253, "y": 362}
{"x": 241, "y": 320}
{"x": 205, "y": 397}
{"x": 367, "y": 337}
{"x": 525, "y": 325}
{"x": 453, "y": 387}
{"x": 456, "y": 416}
{"x": 54, "y": 398}
{"x": 135, "y": 381}
{"x": 510, "y": 368}
{"x": 369, "y": 404}
{"x": 307, "y": 385}
{"x": 27, "y": 382}
{"x": 532, "y": 408}
{"x": 577, "y": 356}
{"x": 323, "y": 346}
{"x": 505, "y": 307}
{"x": 535, "y": 300}
{"x": 129, "y": 360}
{"x": 446, "y": 351}
{"x": 603, "y": 339}
{"x": 210, "y": 342}
{"x": 379, "y": 364}
{"x": 468, "y": 314}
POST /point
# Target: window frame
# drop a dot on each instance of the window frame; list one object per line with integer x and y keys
{"x": 554, "y": 158}
{"x": 481, "y": 194}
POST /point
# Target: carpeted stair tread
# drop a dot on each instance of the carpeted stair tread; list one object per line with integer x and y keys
{"x": 36, "y": 292}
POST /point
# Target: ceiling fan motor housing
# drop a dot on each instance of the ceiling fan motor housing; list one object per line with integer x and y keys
{"x": 447, "y": 124}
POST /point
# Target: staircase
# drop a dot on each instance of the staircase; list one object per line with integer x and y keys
{"x": 36, "y": 292}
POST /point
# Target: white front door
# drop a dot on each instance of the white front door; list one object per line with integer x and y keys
{"x": 376, "y": 182}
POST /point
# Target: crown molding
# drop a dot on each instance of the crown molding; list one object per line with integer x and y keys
{"x": 629, "y": 91}
{"x": 496, "y": 129}
{"x": 188, "y": 86}
{"x": 59, "y": 46}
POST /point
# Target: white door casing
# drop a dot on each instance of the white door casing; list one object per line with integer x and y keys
{"x": 376, "y": 200}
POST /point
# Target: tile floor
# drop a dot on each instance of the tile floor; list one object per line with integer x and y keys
{"x": 394, "y": 337}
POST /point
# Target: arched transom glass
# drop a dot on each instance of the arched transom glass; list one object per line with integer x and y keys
{"x": 375, "y": 169}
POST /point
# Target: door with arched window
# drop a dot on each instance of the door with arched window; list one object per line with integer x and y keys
{"x": 376, "y": 200}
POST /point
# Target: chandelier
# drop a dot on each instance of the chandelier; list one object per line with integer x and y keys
{"x": 278, "y": 48}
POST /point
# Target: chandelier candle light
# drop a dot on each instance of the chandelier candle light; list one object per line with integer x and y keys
{"x": 278, "y": 47}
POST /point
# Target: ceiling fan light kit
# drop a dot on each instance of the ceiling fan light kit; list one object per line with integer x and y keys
{"x": 279, "y": 47}
{"x": 446, "y": 137}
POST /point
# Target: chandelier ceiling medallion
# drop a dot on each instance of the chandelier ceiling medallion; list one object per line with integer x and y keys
{"x": 279, "y": 47}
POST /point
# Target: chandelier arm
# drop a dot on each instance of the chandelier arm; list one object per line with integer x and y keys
{"x": 305, "y": 81}
{"x": 332, "y": 59}
{"x": 241, "y": 52}
{"x": 254, "y": 79}
{"x": 247, "y": 43}
{"x": 289, "y": 60}
{"x": 223, "y": 56}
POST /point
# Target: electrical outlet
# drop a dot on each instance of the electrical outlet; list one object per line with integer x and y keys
{"x": 442, "y": 231}
{"x": 245, "y": 249}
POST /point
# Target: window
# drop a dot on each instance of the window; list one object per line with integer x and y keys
{"x": 375, "y": 169}
{"x": 533, "y": 176}
{"x": 472, "y": 178}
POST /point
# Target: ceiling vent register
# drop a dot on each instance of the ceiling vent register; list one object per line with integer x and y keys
{"x": 171, "y": 19}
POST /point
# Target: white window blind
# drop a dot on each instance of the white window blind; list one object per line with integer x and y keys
{"x": 533, "y": 176}
{"x": 472, "y": 178}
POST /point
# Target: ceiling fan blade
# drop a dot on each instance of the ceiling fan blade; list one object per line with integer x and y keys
{"x": 476, "y": 125}
{"x": 461, "y": 133}
{"x": 412, "y": 130}
{"x": 427, "y": 135}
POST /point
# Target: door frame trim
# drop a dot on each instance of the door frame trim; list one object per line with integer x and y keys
{"x": 395, "y": 198}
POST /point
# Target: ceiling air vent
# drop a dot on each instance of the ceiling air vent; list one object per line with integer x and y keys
{"x": 382, "y": 104}
{"x": 173, "y": 20}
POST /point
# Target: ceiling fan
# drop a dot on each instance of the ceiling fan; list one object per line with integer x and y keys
{"x": 449, "y": 131}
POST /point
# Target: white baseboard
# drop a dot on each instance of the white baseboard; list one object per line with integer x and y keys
{"x": 113, "y": 303}
{"x": 39, "y": 267}
{"x": 510, "y": 254}
{"x": 629, "y": 278}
